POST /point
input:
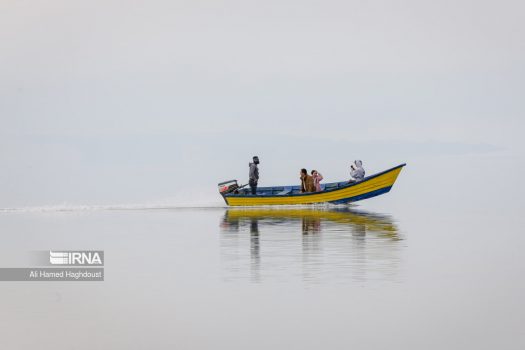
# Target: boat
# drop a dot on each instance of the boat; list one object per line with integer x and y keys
{"x": 336, "y": 192}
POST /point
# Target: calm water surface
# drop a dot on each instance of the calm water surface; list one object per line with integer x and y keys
{"x": 429, "y": 269}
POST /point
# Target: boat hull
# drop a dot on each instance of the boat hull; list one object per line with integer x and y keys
{"x": 371, "y": 186}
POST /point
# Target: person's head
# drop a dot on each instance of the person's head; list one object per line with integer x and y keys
{"x": 256, "y": 159}
{"x": 358, "y": 163}
{"x": 304, "y": 172}
{"x": 314, "y": 172}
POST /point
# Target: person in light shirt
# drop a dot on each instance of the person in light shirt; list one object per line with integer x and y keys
{"x": 317, "y": 180}
{"x": 357, "y": 171}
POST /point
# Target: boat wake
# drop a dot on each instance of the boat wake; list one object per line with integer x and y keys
{"x": 156, "y": 206}
{"x": 83, "y": 208}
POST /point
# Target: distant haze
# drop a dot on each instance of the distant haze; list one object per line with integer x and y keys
{"x": 125, "y": 101}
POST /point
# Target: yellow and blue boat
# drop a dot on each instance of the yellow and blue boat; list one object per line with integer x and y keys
{"x": 335, "y": 192}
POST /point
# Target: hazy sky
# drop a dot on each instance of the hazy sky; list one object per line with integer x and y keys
{"x": 103, "y": 92}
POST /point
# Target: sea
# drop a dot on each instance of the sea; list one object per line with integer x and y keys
{"x": 437, "y": 263}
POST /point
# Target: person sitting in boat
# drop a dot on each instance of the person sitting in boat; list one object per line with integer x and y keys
{"x": 356, "y": 171}
{"x": 317, "y": 180}
{"x": 307, "y": 182}
{"x": 253, "y": 176}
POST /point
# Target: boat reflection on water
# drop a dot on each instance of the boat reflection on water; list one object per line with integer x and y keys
{"x": 309, "y": 244}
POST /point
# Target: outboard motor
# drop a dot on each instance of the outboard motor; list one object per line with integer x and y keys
{"x": 229, "y": 186}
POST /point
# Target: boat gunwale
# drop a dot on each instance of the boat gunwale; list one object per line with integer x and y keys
{"x": 232, "y": 195}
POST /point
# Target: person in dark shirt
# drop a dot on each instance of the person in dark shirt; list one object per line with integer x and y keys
{"x": 253, "y": 176}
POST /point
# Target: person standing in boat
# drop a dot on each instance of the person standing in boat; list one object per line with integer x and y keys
{"x": 357, "y": 171}
{"x": 317, "y": 177}
{"x": 253, "y": 176}
{"x": 307, "y": 182}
